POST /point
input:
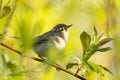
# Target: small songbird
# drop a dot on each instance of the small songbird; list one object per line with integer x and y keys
{"x": 57, "y": 37}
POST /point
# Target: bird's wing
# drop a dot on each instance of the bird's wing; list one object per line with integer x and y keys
{"x": 42, "y": 38}
{"x": 39, "y": 41}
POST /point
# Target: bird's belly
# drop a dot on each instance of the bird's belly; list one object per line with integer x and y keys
{"x": 41, "y": 49}
{"x": 60, "y": 44}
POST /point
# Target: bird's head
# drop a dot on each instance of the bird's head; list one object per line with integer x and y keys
{"x": 61, "y": 28}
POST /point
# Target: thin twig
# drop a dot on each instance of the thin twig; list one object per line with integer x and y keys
{"x": 2, "y": 44}
{"x": 77, "y": 70}
{"x": 57, "y": 66}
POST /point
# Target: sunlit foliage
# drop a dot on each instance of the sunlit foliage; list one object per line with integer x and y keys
{"x": 22, "y": 20}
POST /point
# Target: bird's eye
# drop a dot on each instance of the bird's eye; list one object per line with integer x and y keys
{"x": 61, "y": 29}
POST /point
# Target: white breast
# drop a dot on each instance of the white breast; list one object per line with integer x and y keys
{"x": 61, "y": 44}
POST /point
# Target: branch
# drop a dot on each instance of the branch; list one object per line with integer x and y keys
{"x": 18, "y": 52}
{"x": 55, "y": 65}
{"x": 59, "y": 67}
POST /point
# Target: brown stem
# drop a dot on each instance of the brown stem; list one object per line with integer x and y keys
{"x": 77, "y": 70}
{"x": 57, "y": 66}
{"x": 2, "y": 44}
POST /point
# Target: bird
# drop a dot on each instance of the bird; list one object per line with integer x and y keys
{"x": 57, "y": 37}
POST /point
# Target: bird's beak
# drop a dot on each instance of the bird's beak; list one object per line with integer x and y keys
{"x": 69, "y": 25}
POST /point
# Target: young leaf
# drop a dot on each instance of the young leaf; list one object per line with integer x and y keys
{"x": 95, "y": 31}
{"x": 3, "y": 57}
{"x": 6, "y": 10}
{"x": 100, "y": 36}
{"x": 11, "y": 66}
{"x": 85, "y": 40}
{"x": 95, "y": 36}
{"x": 19, "y": 73}
{"x": 1, "y": 36}
{"x": 97, "y": 68}
{"x": 76, "y": 59}
{"x": 70, "y": 65}
{"x": 102, "y": 42}
{"x": 88, "y": 66}
{"x": 106, "y": 69}
{"x": 104, "y": 49}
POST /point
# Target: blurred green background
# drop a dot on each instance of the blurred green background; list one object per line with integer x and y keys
{"x": 30, "y": 18}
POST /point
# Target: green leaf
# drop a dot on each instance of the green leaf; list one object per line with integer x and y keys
{"x": 95, "y": 31}
{"x": 104, "y": 49}
{"x": 19, "y": 73}
{"x": 100, "y": 36}
{"x": 88, "y": 66}
{"x": 97, "y": 68}
{"x": 106, "y": 69}
{"x": 94, "y": 67}
{"x": 11, "y": 66}
{"x": 76, "y": 59}
{"x": 102, "y": 42}
{"x": 95, "y": 36}
{"x": 6, "y": 10}
{"x": 25, "y": 35}
{"x": 3, "y": 57}
{"x": 1, "y": 36}
{"x": 70, "y": 65}
{"x": 85, "y": 40}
